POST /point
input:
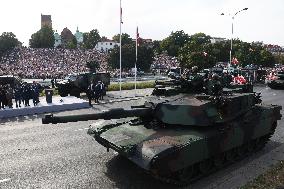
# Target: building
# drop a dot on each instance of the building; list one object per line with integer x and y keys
{"x": 217, "y": 39}
{"x": 57, "y": 41}
{"x": 274, "y": 49}
{"x": 46, "y": 21}
{"x": 106, "y": 45}
{"x": 66, "y": 37}
{"x": 79, "y": 37}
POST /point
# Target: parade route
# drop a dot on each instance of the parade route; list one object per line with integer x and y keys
{"x": 64, "y": 156}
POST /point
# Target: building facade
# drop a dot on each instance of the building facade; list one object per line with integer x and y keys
{"x": 79, "y": 37}
{"x": 106, "y": 45}
{"x": 217, "y": 40}
{"x": 57, "y": 41}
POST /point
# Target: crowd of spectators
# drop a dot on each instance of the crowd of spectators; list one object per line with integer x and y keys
{"x": 163, "y": 62}
{"x": 43, "y": 63}
{"x": 48, "y": 63}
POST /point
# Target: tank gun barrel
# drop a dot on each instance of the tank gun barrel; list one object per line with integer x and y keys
{"x": 107, "y": 115}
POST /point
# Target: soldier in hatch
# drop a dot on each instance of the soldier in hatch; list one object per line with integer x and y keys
{"x": 214, "y": 85}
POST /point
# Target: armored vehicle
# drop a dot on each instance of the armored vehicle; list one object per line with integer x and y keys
{"x": 180, "y": 138}
{"x": 11, "y": 80}
{"x": 74, "y": 84}
{"x": 276, "y": 81}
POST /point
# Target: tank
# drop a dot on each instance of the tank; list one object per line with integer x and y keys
{"x": 276, "y": 80}
{"x": 76, "y": 83}
{"x": 183, "y": 137}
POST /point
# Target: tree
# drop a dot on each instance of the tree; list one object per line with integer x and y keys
{"x": 8, "y": 41}
{"x": 267, "y": 59}
{"x": 93, "y": 65}
{"x": 144, "y": 60}
{"x": 44, "y": 38}
{"x": 198, "y": 51}
{"x": 103, "y": 38}
{"x": 157, "y": 47}
{"x": 72, "y": 44}
{"x": 174, "y": 42}
{"x": 125, "y": 39}
{"x": 67, "y": 38}
{"x": 279, "y": 58}
{"x": 91, "y": 39}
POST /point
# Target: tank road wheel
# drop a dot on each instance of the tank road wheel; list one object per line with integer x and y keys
{"x": 250, "y": 146}
{"x": 231, "y": 155}
{"x": 218, "y": 160}
{"x": 261, "y": 143}
{"x": 186, "y": 174}
{"x": 241, "y": 151}
{"x": 205, "y": 166}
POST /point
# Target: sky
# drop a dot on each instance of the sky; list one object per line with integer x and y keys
{"x": 156, "y": 19}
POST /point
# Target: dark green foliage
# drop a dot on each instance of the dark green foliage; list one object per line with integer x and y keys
{"x": 72, "y": 44}
{"x": 157, "y": 47}
{"x": 130, "y": 86}
{"x": 93, "y": 66}
{"x": 8, "y": 41}
{"x": 279, "y": 58}
{"x": 91, "y": 39}
{"x": 44, "y": 38}
{"x": 125, "y": 39}
{"x": 174, "y": 42}
{"x": 191, "y": 53}
{"x": 145, "y": 57}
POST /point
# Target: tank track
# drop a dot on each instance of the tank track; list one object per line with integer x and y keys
{"x": 257, "y": 145}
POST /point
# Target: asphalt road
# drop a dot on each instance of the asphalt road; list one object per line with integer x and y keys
{"x": 33, "y": 155}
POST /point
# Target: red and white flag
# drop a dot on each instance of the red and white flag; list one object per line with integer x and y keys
{"x": 235, "y": 61}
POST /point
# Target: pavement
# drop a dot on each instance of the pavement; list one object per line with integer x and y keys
{"x": 58, "y": 104}
{"x": 33, "y": 155}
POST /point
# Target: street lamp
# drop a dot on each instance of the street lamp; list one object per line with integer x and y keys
{"x": 233, "y": 17}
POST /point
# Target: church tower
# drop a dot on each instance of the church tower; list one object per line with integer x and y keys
{"x": 46, "y": 21}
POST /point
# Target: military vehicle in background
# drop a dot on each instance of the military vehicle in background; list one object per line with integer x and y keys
{"x": 276, "y": 80}
{"x": 180, "y": 137}
{"x": 11, "y": 80}
{"x": 174, "y": 72}
{"x": 74, "y": 84}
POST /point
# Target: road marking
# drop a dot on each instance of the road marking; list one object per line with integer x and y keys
{"x": 82, "y": 129}
{"x": 5, "y": 180}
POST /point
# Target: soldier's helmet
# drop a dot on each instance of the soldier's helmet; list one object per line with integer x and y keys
{"x": 215, "y": 76}
{"x": 194, "y": 69}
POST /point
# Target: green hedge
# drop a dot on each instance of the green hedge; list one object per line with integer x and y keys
{"x": 129, "y": 86}
{"x": 115, "y": 87}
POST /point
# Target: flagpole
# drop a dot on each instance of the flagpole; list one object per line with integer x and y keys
{"x": 120, "y": 22}
{"x": 136, "y": 58}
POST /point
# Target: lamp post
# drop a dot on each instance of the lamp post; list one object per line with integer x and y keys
{"x": 233, "y": 17}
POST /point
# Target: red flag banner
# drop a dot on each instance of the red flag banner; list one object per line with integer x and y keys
{"x": 235, "y": 61}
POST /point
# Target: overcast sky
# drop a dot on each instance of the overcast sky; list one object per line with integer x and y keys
{"x": 263, "y": 21}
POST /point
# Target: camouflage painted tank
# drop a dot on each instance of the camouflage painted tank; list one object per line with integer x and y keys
{"x": 183, "y": 137}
